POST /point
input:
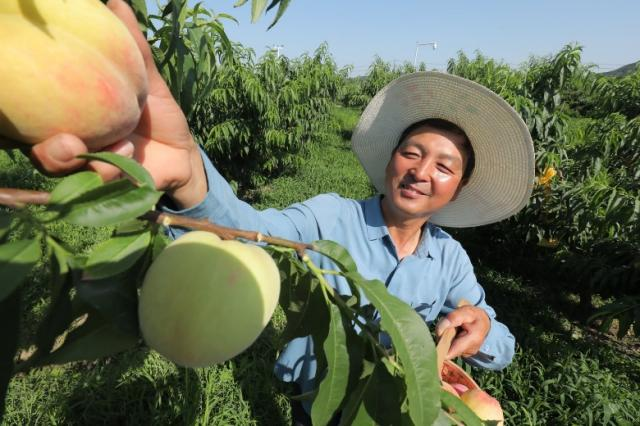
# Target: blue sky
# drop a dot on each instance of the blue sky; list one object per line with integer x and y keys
{"x": 357, "y": 30}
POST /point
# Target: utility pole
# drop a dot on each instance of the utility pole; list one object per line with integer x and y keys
{"x": 418, "y": 44}
{"x": 276, "y": 48}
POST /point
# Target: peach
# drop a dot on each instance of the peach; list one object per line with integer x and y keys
{"x": 484, "y": 405}
{"x": 68, "y": 66}
{"x": 203, "y": 300}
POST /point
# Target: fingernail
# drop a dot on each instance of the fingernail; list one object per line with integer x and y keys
{"x": 442, "y": 326}
{"x": 124, "y": 148}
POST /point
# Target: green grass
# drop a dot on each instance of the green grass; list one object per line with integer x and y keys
{"x": 563, "y": 372}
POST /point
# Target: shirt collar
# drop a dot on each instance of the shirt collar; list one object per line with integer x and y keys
{"x": 373, "y": 219}
{"x": 377, "y": 229}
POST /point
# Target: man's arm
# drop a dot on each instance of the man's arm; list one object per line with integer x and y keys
{"x": 481, "y": 338}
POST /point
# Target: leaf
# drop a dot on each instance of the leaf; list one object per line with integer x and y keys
{"x": 409, "y": 334}
{"x": 116, "y": 255}
{"x": 413, "y": 343}
{"x": 337, "y": 253}
{"x": 129, "y": 166}
{"x": 58, "y": 317}
{"x": 284, "y": 4}
{"x": 462, "y": 412}
{"x": 110, "y": 204}
{"x": 9, "y": 336}
{"x": 17, "y": 258}
{"x": 356, "y": 396}
{"x": 115, "y": 298}
{"x": 95, "y": 338}
{"x": 381, "y": 401}
{"x": 334, "y": 385}
{"x": 5, "y": 223}
{"x": 257, "y": 7}
{"x": 73, "y": 186}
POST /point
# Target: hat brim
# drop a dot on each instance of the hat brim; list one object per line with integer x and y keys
{"x": 504, "y": 171}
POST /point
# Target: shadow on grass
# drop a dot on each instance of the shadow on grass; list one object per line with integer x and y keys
{"x": 547, "y": 321}
{"x": 127, "y": 390}
{"x": 265, "y": 394}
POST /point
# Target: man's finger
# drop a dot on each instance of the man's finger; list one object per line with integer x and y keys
{"x": 58, "y": 155}
{"x": 106, "y": 171}
{"x": 465, "y": 344}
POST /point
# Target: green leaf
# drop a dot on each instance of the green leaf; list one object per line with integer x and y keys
{"x": 5, "y": 223}
{"x": 9, "y": 336}
{"x": 115, "y": 298}
{"x": 129, "y": 166}
{"x": 462, "y": 412}
{"x": 95, "y": 338}
{"x": 74, "y": 186}
{"x": 110, "y": 204}
{"x": 59, "y": 314}
{"x": 356, "y": 396}
{"x": 284, "y": 4}
{"x": 413, "y": 343}
{"x": 381, "y": 401}
{"x": 257, "y": 7}
{"x": 116, "y": 255}
{"x": 337, "y": 253}
{"x": 334, "y": 385}
{"x": 409, "y": 334}
{"x": 16, "y": 261}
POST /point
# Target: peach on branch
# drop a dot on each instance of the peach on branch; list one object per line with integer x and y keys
{"x": 484, "y": 405}
{"x": 68, "y": 66}
{"x": 204, "y": 300}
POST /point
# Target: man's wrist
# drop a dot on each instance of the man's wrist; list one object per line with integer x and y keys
{"x": 194, "y": 190}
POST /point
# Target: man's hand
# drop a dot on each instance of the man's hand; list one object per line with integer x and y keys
{"x": 162, "y": 142}
{"x": 473, "y": 324}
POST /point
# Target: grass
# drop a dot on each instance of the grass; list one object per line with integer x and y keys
{"x": 563, "y": 373}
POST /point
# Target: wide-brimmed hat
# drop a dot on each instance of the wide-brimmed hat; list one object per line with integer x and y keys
{"x": 504, "y": 171}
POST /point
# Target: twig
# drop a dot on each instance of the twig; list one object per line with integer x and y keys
{"x": 19, "y": 198}
{"x": 167, "y": 219}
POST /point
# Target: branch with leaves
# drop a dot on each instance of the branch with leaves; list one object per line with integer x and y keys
{"x": 93, "y": 308}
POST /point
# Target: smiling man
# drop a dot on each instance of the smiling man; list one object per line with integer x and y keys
{"x": 441, "y": 151}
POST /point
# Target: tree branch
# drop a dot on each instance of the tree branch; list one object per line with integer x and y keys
{"x": 19, "y": 198}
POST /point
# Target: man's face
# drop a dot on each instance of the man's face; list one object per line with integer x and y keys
{"x": 423, "y": 175}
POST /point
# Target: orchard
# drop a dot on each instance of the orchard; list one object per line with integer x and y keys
{"x": 92, "y": 287}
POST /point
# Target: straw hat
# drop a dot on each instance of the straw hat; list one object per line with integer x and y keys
{"x": 504, "y": 172}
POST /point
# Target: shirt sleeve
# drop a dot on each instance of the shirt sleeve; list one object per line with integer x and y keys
{"x": 298, "y": 222}
{"x": 499, "y": 345}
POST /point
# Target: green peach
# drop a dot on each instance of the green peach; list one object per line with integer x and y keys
{"x": 204, "y": 300}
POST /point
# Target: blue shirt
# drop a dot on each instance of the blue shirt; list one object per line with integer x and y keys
{"x": 432, "y": 280}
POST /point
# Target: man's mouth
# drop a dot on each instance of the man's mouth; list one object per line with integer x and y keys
{"x": 416, "y": 188}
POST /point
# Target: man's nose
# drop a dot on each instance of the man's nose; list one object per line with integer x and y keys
{"x": 423, "y": 171}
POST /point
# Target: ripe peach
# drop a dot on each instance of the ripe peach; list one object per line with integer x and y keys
{"x": 203, "y": 300}
{"x": 484, "y": 405}
{"x": 68, "y": 66}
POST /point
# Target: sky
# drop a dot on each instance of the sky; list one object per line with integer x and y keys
{"x": 511, "y": 31}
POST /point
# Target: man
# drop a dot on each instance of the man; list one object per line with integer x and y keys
{"x": 440, "y": 150}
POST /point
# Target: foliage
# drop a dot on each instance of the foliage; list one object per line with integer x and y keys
{"x": 262, "y": 114}
{"x": 585, "y": 207}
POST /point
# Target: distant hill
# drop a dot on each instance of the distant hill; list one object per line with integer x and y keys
{"x": 622, "y": 71}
